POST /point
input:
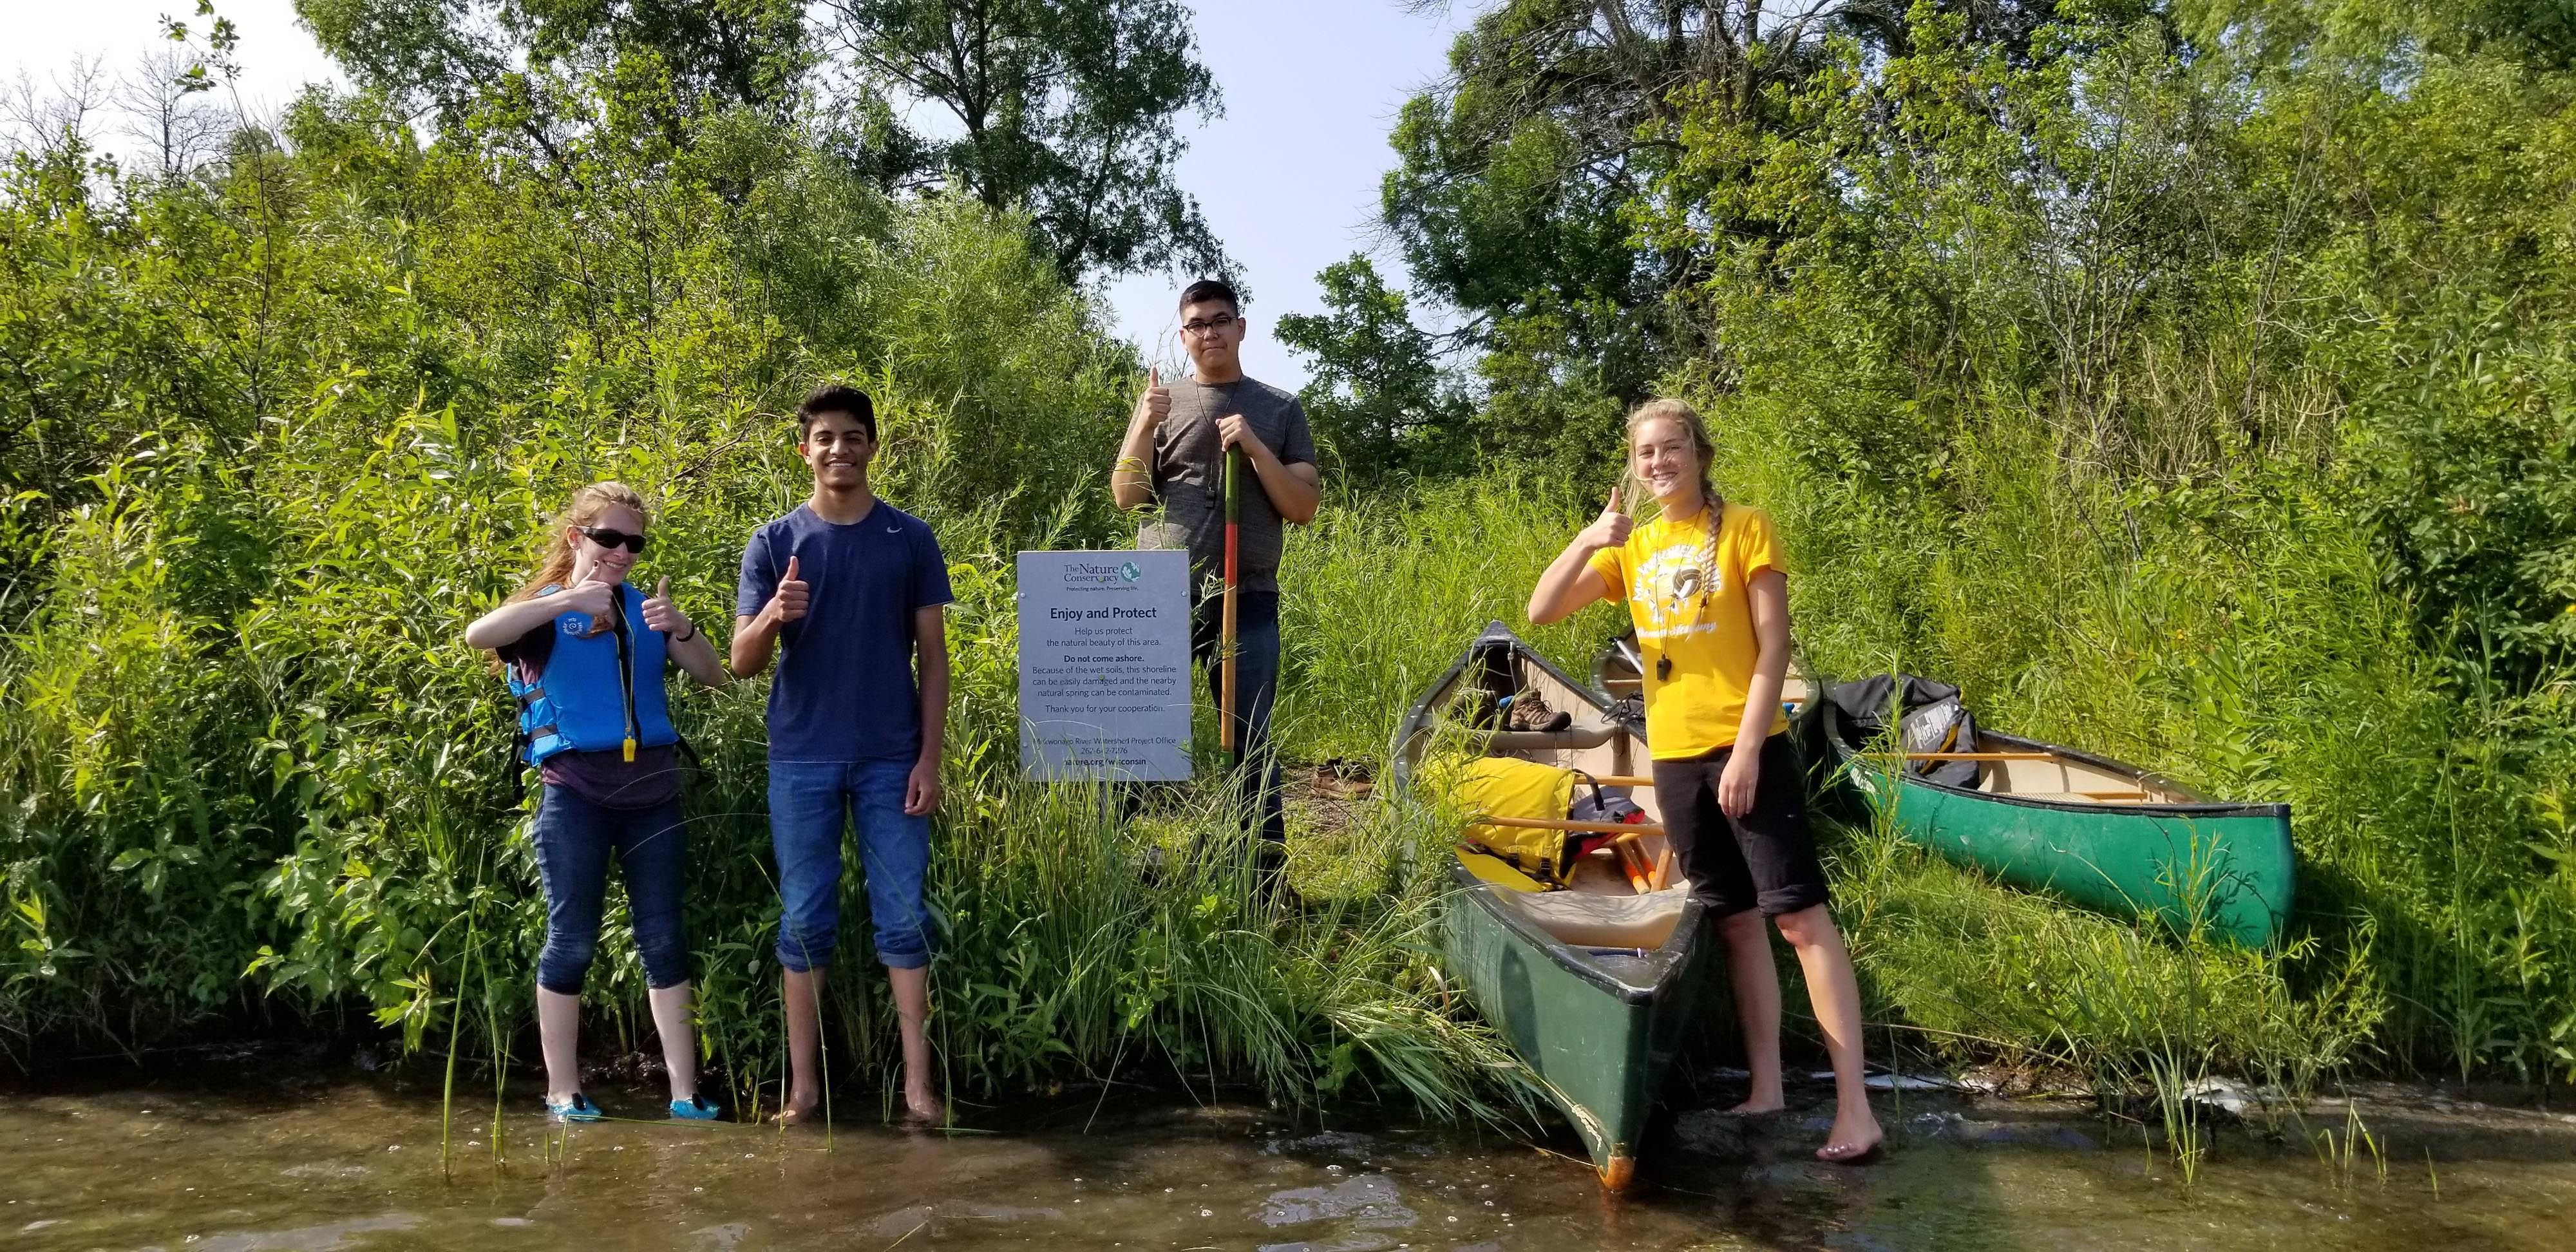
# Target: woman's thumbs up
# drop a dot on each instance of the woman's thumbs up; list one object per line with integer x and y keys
{"x": 1609, "y": 530}
{"x": 662, "y": 615}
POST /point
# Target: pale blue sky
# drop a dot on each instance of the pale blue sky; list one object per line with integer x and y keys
{"x": 1288, "y": 176}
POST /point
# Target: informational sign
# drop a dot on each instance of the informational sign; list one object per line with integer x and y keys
{"x": 1105, "y": 665}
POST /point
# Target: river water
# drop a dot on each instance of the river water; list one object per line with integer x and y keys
{"x": 298, "y": 1160}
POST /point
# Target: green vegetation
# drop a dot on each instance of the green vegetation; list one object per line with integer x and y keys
{"x": 281, "y": 424}
{"x": 2187, "y": 381}
{"x": 2220, "y": 443}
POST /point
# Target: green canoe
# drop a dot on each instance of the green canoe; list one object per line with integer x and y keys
{"x": 1599, "y": 1024}
{"x": 2096, "y": 832}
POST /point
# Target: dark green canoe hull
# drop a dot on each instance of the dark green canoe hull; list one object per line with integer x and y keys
{"x": 1598, "y": 1027}
{"x": 2226, "y": 868}
{"x": 1600, "y": 1042}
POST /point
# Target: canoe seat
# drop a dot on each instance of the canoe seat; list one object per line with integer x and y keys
{"x": 1586, "y": 920}
{"x": 1496, "y": 870}
{"x": 1570, "y": 739}
{"x": 2083, "y": 797}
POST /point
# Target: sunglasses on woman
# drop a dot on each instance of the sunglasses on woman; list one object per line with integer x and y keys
{"x": 607, "y": 538}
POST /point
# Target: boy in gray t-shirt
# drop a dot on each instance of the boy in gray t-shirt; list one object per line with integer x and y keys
{"x": 1189, "y": 476}
{"x": 1174, "y": 455}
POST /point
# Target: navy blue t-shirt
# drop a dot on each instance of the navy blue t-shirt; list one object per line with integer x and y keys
{"x": 845, "y": 688}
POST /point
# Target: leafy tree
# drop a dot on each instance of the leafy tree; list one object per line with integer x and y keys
{"x": 2543, "y": 31}
{"x": 1523, "y": 181}
{"x": 1063, "y": 108}
{"x": 1065, "y": 111}
{"x": 455, "y": 57}
{"x": 1518, "y": 179}
{"x": 1376, "y": 393}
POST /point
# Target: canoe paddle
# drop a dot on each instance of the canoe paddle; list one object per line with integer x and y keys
{"x": 1233, "y": 533}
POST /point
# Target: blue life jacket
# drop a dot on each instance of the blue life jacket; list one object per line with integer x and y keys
{"x": 595, "y": 693}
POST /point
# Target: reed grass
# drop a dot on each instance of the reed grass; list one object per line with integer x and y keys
{"x": 2341, "y": 1156}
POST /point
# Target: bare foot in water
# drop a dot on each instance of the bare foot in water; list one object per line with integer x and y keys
{"x": 798, "y": 1115}
{"x": 1854, "y": 1144}
{"x": 922, "y": 1108}
{"x": 1757, "y": 1108}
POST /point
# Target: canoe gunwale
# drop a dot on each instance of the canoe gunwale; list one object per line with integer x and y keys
{"x": 1686, "y": 931}
{"x": 1856, "y": 759}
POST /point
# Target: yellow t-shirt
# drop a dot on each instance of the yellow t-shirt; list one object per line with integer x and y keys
{"x": 1704, "y": 625}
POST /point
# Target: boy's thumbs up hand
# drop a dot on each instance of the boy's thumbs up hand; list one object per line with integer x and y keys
{"x": 1156, "y": 403}
{"x": 788, "y": 603}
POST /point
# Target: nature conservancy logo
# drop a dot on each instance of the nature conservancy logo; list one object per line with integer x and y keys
{"x": 1087, "y": 574}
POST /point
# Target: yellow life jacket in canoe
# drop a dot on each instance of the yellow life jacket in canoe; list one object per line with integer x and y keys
{"x": 1502, "y": 786}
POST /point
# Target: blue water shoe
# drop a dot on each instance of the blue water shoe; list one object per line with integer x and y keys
{"x": 577, "y": 1109}
{"x": 695, "y": 1109}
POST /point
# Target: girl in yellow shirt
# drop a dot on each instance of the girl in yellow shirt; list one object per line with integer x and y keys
{"x": 1709, "y": 594}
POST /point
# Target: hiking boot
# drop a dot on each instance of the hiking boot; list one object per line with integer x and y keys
{"x": 1528, "y": 711}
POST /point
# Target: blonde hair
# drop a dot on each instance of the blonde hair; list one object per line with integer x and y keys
{"x": 1666, "y": 408}
{"x": 585, "y": 508}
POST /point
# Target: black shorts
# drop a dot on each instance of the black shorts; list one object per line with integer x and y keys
{"x": 1765, "y": 859}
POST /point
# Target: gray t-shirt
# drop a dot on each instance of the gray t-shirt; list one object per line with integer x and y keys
{"x": 1189, "y": 477}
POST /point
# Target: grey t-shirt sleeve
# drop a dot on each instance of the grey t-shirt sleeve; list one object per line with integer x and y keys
{"x": 1296, "y": 442}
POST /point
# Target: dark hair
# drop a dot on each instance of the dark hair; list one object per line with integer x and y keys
{"x": 836, "y": 398}
{"x": 1207, "y": 289}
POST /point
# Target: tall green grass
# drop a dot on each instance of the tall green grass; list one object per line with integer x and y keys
{"x": 1381, "y": 596}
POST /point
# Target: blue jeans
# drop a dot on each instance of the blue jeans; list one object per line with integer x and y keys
{"x": 1256, "y": 671}
{"x": 574, "y": 838}
{"x": 808, "y": 802}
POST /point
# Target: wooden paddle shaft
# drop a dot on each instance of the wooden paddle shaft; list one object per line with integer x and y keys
{"x": 1633, "y": 780}
{"x": 1225, "y": 628}
{"x": 1548, "y": 823}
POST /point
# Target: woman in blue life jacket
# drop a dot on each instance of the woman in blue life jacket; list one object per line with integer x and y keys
{"x": 584, "y": 653}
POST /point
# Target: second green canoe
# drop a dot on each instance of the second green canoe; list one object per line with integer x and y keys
{"x": 2096, "y": 832}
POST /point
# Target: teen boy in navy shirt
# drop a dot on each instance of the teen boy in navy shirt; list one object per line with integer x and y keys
{"x": 856, "y": 590}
